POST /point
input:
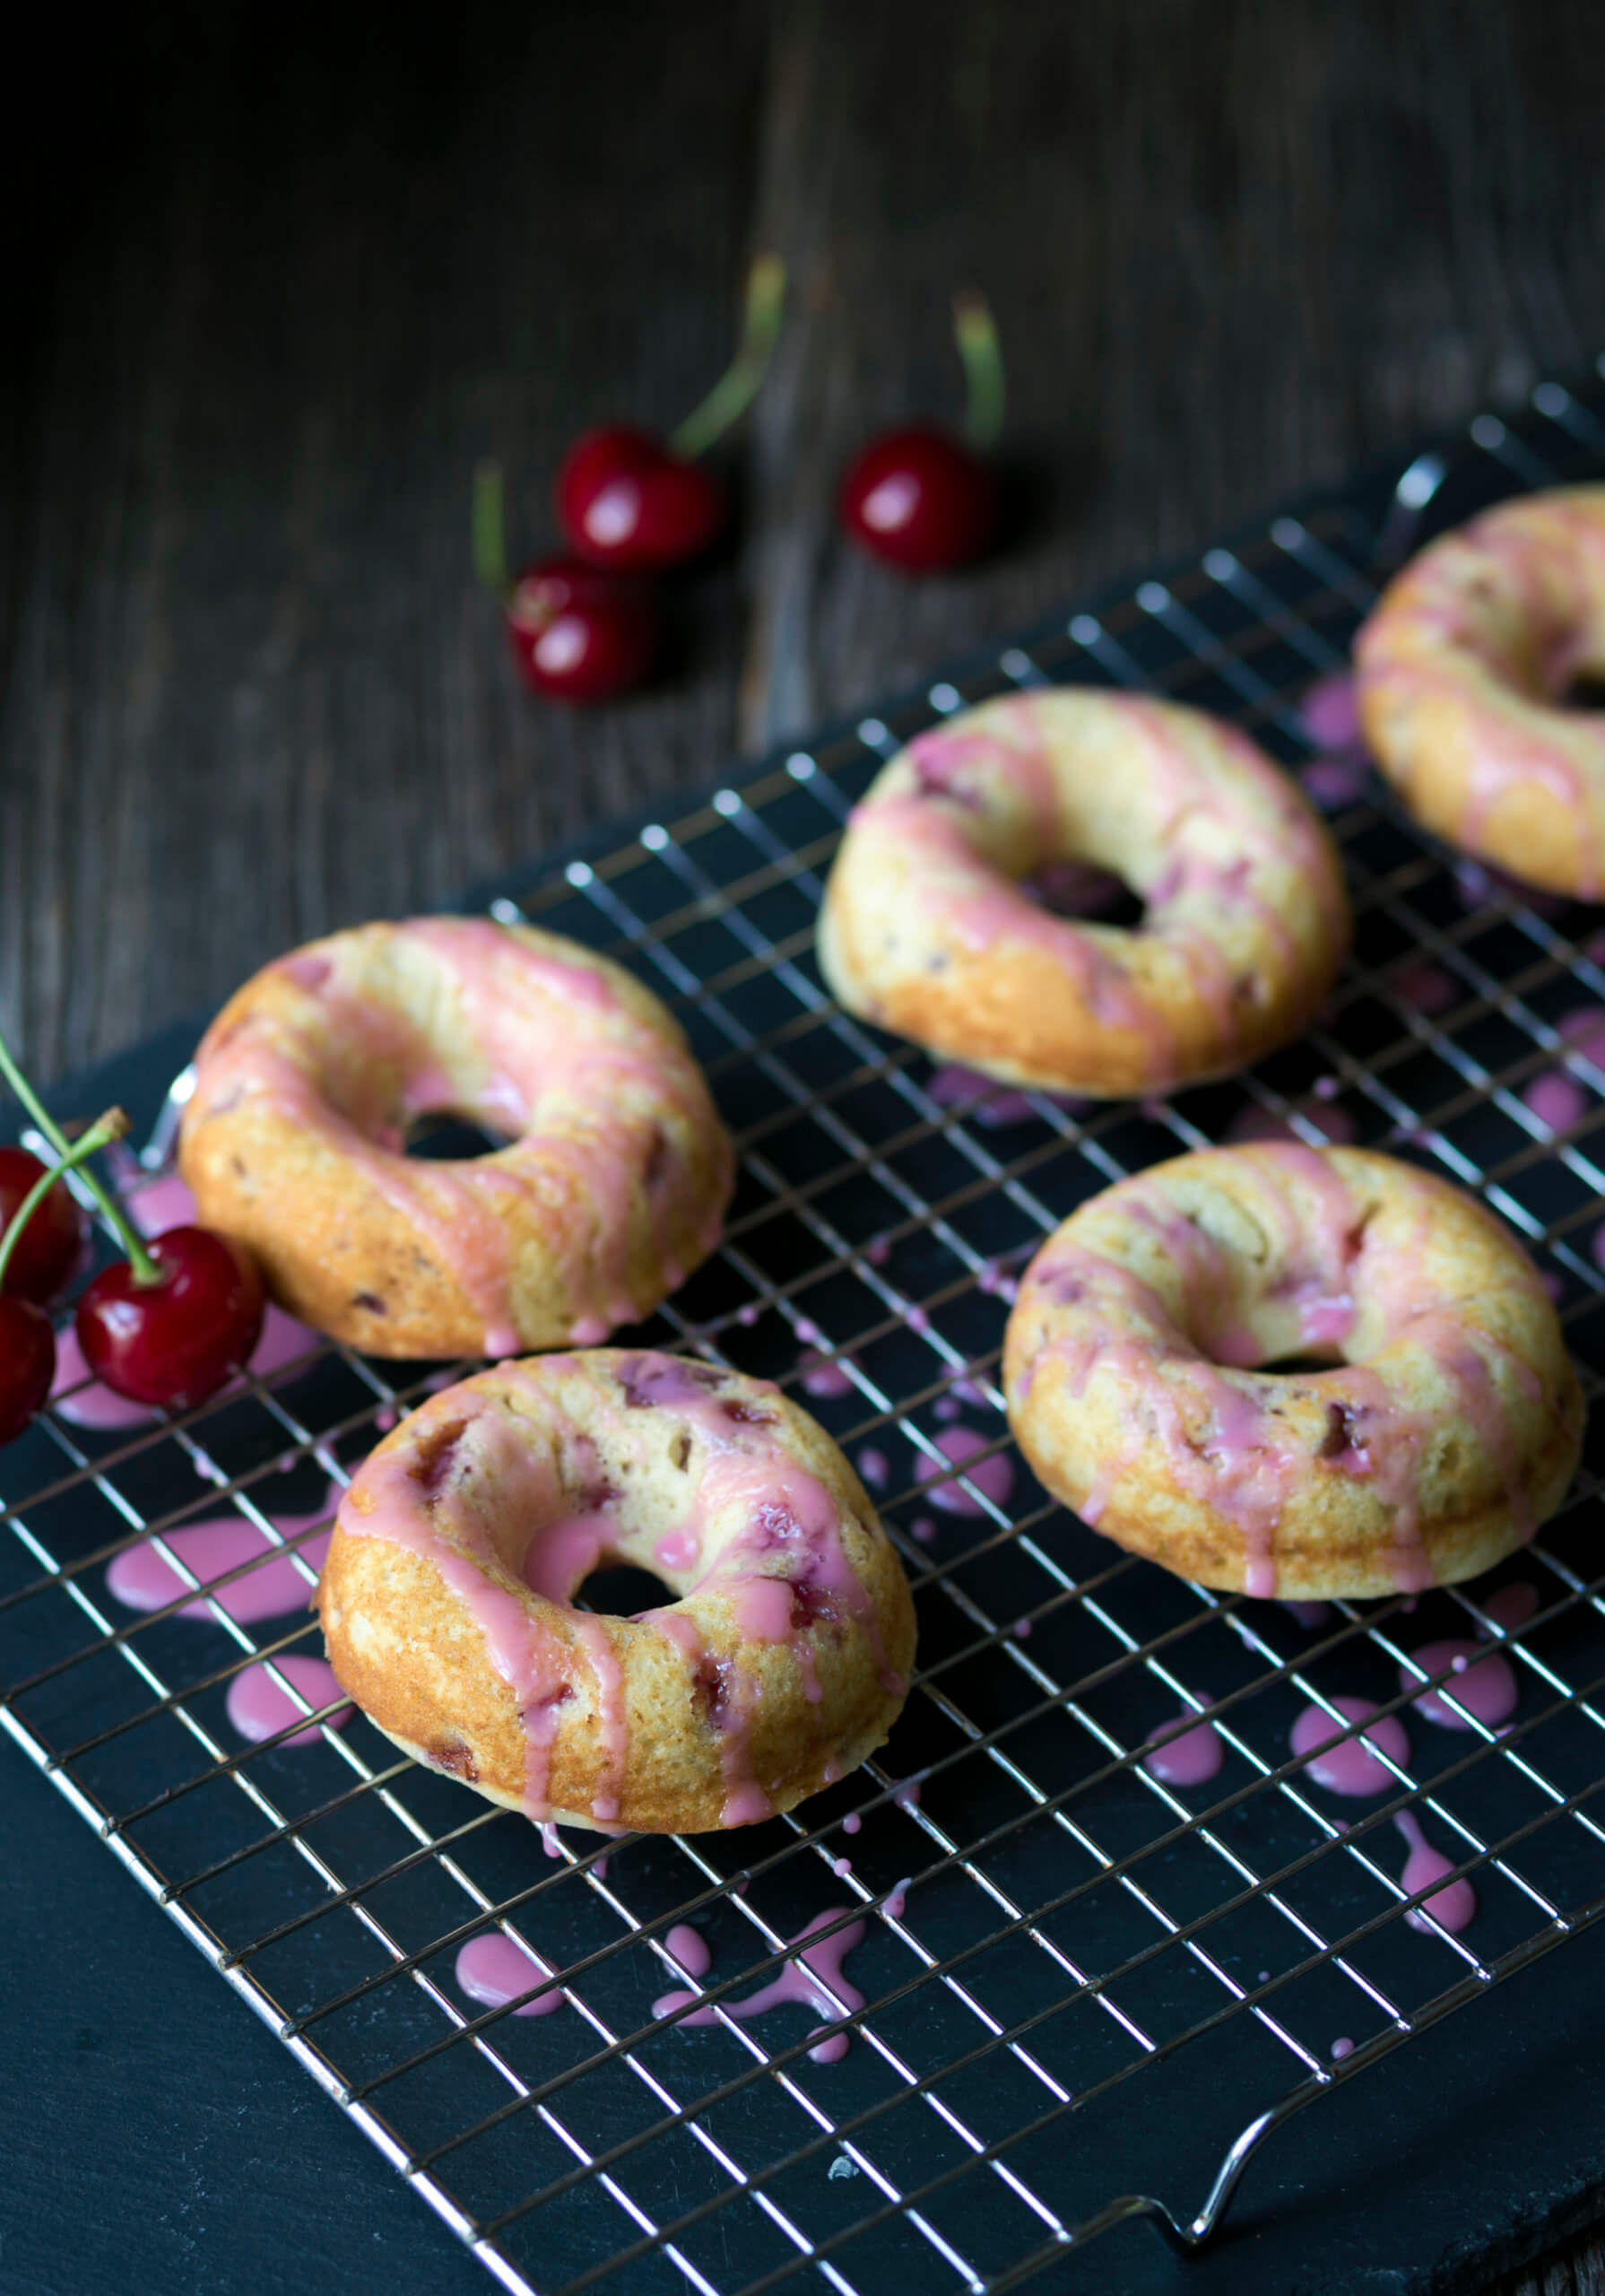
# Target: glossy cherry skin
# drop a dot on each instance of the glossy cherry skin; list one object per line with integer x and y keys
{"x": 49, "y": 1252}
{"x": 580, "y": 635}
{"x": 624, "y": 501}
{"x": 921, "y": 499}
{"x": 27, "y": 1363}
{"x": 177, "y": 1341}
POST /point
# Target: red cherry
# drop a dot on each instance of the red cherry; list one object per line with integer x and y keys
{"x": 27, "y": 1363}
{"x": 578, "y": 634}
{"x": 921, "y": 499}
{"x": 176, "y": 1340}
{"x": 626, "y": 502}
{"x": 45, "y": 1255}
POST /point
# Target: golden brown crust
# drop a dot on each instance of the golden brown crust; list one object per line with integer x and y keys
{"x": 922, "y": 931}
{"x": 1461, "y": 670}
{"x": 1447, "y": 1427}
{"x": 701, "y": 1705}
{"x": 307, "y": 1078}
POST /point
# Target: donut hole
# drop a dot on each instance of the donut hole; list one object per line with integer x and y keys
{"x": 623, "y": 1590}
{"x": 1583, "y": 692}
{"x": 1074, "y": 887}
{"x": 444, "y": 1136}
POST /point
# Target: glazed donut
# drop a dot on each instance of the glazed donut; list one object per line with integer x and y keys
{"x": 926, "y": 928}
{"x": 448, "y": 1595}
{"x": 1462, "y": 668}
{"x": 612, "y": 1186}
{"x": 1445, "y": 1429}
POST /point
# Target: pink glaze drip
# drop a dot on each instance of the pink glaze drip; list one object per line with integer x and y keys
{"x": 1347, "y": 1765}
{"x": 1483, "y": 1682}
{"x": 141, "y": 1579}
{"x": 822, "y": 1377}
{"x": 803, "y": 1979}
{"x": 1334, "y": 1123}
{"x": 1428, "y": 989}
{"x": 1191, "y": 1760}
{"x": 1511, "y": 1607}
{"x": 992, "y": 1477}
{"x": 923, "y": 1530}
{"x": 996, "y": 1106}
{"x": 1336, "y": 781}
{"x": 1341, "y": 2048}
{"x": 260, "y": 1708}
{"x": 492, "y": 1969}
{"x": 1558, "y": 1101}
{"x": 852, "y": 1822}
{"x": 691, "y": 1949}
{"x": 897, "y": 1903}
{"x": 1453, "y": 1908}
{"x": 873, "y": 1468}
{"x": 1328, "y": 711}
{"x": 1309, "y": 1614}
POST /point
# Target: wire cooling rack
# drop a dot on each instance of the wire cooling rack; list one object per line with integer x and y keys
{"x": 1063, "y": 1953}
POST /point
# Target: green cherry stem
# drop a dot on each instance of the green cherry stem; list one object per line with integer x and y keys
{"x": 974, "y": 330}
{"x": 489, "y": 531}
{"x": 738, "y": 386}
{"x": 145, "y": 1270}
{"x": 112, "y": 1125}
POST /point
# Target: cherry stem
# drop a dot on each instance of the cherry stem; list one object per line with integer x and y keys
{"x": 145, "y": 1270}
{"x": 974, "y": 330}
{"x": 112, "y": 1125}
{"x": 489, "y": 530}
{"x": 738, "y": 386}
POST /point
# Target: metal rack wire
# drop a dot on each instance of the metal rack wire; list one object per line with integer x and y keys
{"x": 1055, "y": 1935}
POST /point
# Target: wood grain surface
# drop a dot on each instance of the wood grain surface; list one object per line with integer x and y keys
{"x": 280, "y": 278}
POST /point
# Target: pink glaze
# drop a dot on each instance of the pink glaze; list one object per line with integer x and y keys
{"x": 554, "y": 1038}
{"x": 1428, "y": 989}
{"x": 491, "y": 1968}
{"x": 1341, "y": 2048}
{"x": 1558, "y": 1101}
{"x": 691, "y": 1949}
{"x": 1191, "y": 1760}
{"x": 802, "y": 1978}
{"x": 897, "y": 1902}
{"x": 1483, "y": 1682}
{"x": 1309, "y": 1614}
{"x": 1328, "y": 711}
{"x": 141, "y": 1579}
{"x": 907, "y": 1795}
{"x": 875, "y": 1469}
{"x": 1334, "y": 1125}
{"x": 988, "y": 1102}
{"x": 852, "y": 1822}
{"x": 260, "y": 1708}
{"x": 1336, "y": 781}
{"x": 1347, "y": 1765}
{"x": 822, "y": 1377}
{"x": 1511, "y": 1607}
{"x": 1453, "y": 1908}
{"x": 992, "y": 1477}
{"x": 878, "y": 1250}
{"x": 923, "y": 1530}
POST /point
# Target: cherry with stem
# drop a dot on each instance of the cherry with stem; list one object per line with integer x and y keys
{"x": 633, "y": 501}
{"x": 27, "y": 1339}
{"x": 920, "y": 498}
{"x": 169, "y": 1324}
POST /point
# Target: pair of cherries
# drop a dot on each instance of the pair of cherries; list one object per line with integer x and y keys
{"x": 166, "y": 1325}
{"x": 633, "y": 505}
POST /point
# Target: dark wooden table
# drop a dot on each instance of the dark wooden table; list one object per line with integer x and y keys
{"x": 279, "y": 277}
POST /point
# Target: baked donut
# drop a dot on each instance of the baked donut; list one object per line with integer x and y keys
{"x": 1446, "y": 1424}
{"x": 928, "y": 929}
{"x": 448, "y": 1595}
{"x": 1462, "y": 671}
{"x": 613, "y": 1187}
